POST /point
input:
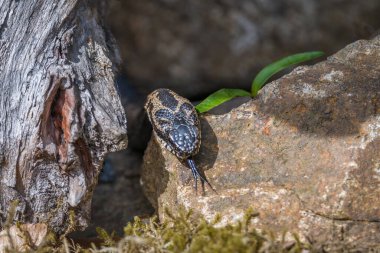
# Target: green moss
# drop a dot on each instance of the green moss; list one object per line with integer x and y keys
{"x": 183, "y": 232}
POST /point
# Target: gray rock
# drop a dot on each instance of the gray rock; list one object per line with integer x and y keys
{"x": 196, "y": 47}
{"x": 305, "y": 154}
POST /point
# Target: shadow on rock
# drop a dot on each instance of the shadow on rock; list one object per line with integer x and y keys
{"x": 206, "y": 157}
{"x": 155, "y": 177}
{"x": 208, "y": 152}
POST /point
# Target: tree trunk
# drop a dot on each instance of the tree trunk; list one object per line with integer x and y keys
{"x": 60, "y": 113}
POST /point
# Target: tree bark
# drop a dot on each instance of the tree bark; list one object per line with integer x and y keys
{"x": 60, "y": 112}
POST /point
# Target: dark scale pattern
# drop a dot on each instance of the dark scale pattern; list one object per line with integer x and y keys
{"x": 175, "y": 122}
{"x": 176, "y": 126}
{"x": 164, "y": 116}
{"x": 167, "y": 99}
{"x": 164, "y": 113}
{"x": 184, "y": 136}
{"x": 186, "y": 107}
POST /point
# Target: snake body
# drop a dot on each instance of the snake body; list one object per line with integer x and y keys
{"x": 176, "y": 126}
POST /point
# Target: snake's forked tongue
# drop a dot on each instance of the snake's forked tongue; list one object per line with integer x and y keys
{"x": 196, "y": 174}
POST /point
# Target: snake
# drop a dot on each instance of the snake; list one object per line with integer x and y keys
{"x": 176, "y": 127}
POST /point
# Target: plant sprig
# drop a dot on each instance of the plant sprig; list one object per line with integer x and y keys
{"x": 224, "y": 95}
{"x": 219, "y": 97}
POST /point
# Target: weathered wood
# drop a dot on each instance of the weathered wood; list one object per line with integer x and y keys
{"x": 59, "y": 110}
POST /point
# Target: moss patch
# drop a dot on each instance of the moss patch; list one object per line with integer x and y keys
{"x": 182, "y": 232}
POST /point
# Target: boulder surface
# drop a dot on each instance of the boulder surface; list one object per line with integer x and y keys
{"x": 305, "y": 154}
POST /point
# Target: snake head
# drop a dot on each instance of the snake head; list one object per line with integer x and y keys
{"x": 177, "y": 128}
{"x": 175, "y": 122}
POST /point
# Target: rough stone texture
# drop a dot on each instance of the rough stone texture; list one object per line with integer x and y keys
{"x": 305, "y": 154}
{"x": 195, "y": 47}
{"x": 60, "y": 112}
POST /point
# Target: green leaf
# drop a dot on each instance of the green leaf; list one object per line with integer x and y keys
{"x": 273, "y": 68}
{"x": 219, "y": 97}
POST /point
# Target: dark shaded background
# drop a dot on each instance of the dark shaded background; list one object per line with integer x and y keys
{"x": 196, "y": 47}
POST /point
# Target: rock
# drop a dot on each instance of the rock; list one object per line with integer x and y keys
{"x": 196, "y": 47}
{"x": 305, "y": 154}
